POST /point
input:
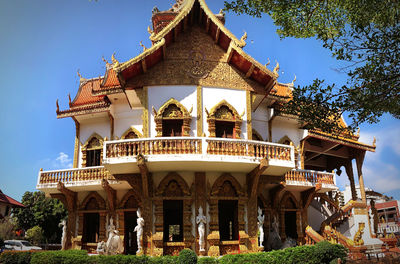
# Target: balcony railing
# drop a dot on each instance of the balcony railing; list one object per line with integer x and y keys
{"x": 74, "y": 175}
{"x": 249, "y": 148}
{"x": 187, "y": 145}
{"x": 310, "y": 176}
{"x": 160, "y": 146}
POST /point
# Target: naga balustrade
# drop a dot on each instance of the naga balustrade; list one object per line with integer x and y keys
{"x": 74, "y": 175}
{"x": 159, "y": 146}
{"x": 311, "y": 176}
{"x": 188, "y": 145}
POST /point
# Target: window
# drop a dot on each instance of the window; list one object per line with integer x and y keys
{"x": 228, "y": 220}
{"x": 224, "y": 121}
{"x": 173, "y": 220}
{"x": 91, "y": 222}
{"x": 172, "y": 127}
{"x": 172, "y": 119}
{"x": 93, "y": 151}
{"x": 224, "y": 129}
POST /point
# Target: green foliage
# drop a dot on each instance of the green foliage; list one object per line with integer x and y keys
{"x": 207, "y": 260}
{"x": 164, "y": 260}
{"x": 7, "y": 228}
{"x": 62, "y": 257}
{"x": 35, "y": 235}
{"x": 365, "y": 35}
{"x": 16, "y": 257}
{"x": 122, "y": 259}
{"x": 187, "y": 256}
{"x": 323, "y": 252}
{"x": 41, "y": 211}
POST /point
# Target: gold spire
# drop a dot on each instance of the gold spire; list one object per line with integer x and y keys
{"x": 144, "y": 47}
{"x": 58, "y": 107}
{"x": 80, "y": 76}
{"x": 266, "y": 65}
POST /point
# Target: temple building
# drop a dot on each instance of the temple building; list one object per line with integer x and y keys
{"x": 193, "y": 121}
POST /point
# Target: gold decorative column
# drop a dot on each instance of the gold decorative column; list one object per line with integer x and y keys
{"x": 248, "y": 115}
{"x": 145, "y": 115}
{"x": 213, "y": 236}
{"x": 76, "y": 146}
{"x": 158, "y": 236}
{"x": 199, "y": 121}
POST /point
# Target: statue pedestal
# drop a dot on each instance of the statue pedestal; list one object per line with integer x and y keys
{"x": 261, "y": 249}
{"x": 202, "y": 252}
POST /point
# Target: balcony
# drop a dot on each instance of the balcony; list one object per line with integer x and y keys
{"x": 304, "y": 179}
{"x": 87, "y": 179}
{"x": 196, "y": 154}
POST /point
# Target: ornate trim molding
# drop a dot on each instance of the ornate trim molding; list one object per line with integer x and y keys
{"x": 95, "y": 195}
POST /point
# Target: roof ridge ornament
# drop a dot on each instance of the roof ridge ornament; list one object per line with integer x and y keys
{"x": 114, "y": 60}
{"x": 144, "y": 47}
{"x": 276, "y": 69}
{"x": 295, "y": 78}
{"x": 242, "y": 41}
{"x": 107, "y": 63}
{"x": 151, "y": 32}
{"x": 268, "y": 63}
{"x": 81, "y": 79}
{"x": 69, "y": 99}
{"x": 58, "y": 107}
{"x": 221, "y": 12}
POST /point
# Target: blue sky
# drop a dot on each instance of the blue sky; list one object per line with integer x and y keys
{"x": 44, "y": 42}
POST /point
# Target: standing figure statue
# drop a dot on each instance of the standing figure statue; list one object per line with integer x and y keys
{"x": 139, "y": 230}
{"x": 64, "y": 234}
{"x": 114, "y": 244}
{"x": 110, "y": 227}
{"x": 274, "y": 239}
{"x": 260, "y": 224}
{"x": 201, "y": 220}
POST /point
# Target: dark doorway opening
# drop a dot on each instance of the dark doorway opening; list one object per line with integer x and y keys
{"x": 130, "y": 236}
{"x": 224, "y": 129}
{"x": 173, "y": 220}
{"x": 91, "y": 227}
{"x": 290, "y": 224}
{"x": 172, "y": 127}
{"x": 228, "y": 220}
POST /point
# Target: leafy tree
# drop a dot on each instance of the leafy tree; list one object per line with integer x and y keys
{"x": 35, "y": 235}
{"x": 363, "y": 34}
{"x": 41, "y": 211}
{"x": 7, "y": 227}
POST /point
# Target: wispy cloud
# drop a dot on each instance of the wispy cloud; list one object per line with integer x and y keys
{"x": 62, "y": 161}
{"x": 380, "y": 173}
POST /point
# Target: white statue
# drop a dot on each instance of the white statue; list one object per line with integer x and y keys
{"x": 201, "y": 220}
{"x": 110, "y": 227}
{"x": 64, "y": 234}
{"x": 114, "y": 244}
{"x": 260, "y": 224}
{"x": 139, "y": 230}
{"x": 101, "y": 248}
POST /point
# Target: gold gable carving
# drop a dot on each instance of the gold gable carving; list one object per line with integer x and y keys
{"x": 182, "y": 67}
{"x": 172, "y": 109}
{"x": 225, "y": 112}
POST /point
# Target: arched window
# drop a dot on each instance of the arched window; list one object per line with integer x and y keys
{"x": 131, "y": 133}
{"x": 224, "y": 121}
{"x": 92, "y": 151}
{"x": 172, "y": 119}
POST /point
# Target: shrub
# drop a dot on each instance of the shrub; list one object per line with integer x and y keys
{"x": 323, "y": 252}
{"x": 35, "y": 235}
{"x": 15, "y": 257}
{"x": 122, "y": 259}
{"x": 187, "y": 256}
{"x": 7, "y": 228}
{"x": 62, "y": 257}
{"x": 164, "y": 260}
{"x": 207, "y": 260}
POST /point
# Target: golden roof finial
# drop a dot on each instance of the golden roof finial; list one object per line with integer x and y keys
{"x": 80, "y": 76}
{"x": 243, "y": 40}
{"x": 374, "y": 142}
{"x": 276, "y": 69}
{"x": 107, "y": 63}
{"x": 144, "y": 47}
{"x": 69, "y": 98}
{"x": 114, "y": 60}
{"x": 266, "y": 65}
{"x": 358, "y": 132}
{"x": 295, "y": 78}
{"x": 221, "y": 12}
{"x": 149, "y": 30}
{"x": 58, "y": 107}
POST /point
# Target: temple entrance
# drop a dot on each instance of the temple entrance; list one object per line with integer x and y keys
{"x": 173, "y": 220}
{"x": 130, "y": 240}
{"x": 290, "y": 224}
{"x": 228, "y": 220}
{"x": 90, "y": 227}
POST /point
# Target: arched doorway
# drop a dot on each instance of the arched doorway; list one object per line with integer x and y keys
{"x": 290, "y": 216}
{"x": 129, "y": 205}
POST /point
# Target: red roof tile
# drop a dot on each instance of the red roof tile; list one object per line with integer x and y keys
{"x": 85, "y": 96}
{"x": 8, "y": 200}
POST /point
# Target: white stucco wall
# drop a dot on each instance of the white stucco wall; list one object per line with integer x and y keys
{"x": 260, "y": 121}
{"x": 286, "y": 127}
{"x": 237, "y": 98}
{"x": 125, "y": 117}
{"x": 186, "y": 95}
